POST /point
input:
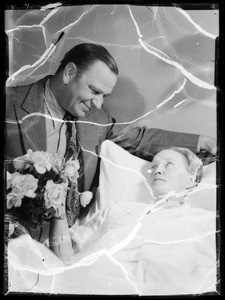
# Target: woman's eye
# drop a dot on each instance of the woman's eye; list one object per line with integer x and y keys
{"x": 169, "y": 164}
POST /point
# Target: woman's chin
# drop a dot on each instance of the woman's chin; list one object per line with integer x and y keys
{"x": 160, "y": 193}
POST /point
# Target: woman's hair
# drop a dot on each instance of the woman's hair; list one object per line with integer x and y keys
{"x": 194, "y": 164}
{"x": 84, "y": 55}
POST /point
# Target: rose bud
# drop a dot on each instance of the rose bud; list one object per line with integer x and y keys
{"x": 85, "y": 198}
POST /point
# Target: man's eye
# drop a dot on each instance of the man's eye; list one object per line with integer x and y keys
{"x": 95, "y": 92}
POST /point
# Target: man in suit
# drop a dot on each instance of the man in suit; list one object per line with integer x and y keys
{"x": 87, "y": 73}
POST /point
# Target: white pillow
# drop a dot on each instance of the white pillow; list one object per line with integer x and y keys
{"x": 123, "y": 177}
{"x": 205, "y": 194}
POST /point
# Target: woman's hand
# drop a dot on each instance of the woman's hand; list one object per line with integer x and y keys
{"x": 59, "y": 235}
{"x": 60, "y": 212}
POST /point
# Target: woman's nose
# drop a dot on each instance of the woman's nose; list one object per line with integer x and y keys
{"x": 158, "y": 172}
{"x": 98, "y": 101}
{"x": 159, "y": 169}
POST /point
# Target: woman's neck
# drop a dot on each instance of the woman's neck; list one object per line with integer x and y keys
{"x": 171, "y": 201}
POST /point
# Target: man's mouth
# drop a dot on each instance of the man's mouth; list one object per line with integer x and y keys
{"x": 86, "y": 105}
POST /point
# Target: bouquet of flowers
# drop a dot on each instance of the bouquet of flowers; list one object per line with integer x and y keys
{"x": 39, "y": 185}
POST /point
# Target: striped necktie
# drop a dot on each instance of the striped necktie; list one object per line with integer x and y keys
{"x": 72, "y": 199}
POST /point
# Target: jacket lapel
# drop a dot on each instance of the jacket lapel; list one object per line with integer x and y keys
{"x": 31, "y": 111}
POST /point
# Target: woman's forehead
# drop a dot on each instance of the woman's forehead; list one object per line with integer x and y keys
{"x": 169, "y": 154}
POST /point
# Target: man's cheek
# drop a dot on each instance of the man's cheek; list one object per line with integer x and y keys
{"x": 86, "y": 95}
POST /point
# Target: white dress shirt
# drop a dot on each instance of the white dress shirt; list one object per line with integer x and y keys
{"x": 55, "y": 128}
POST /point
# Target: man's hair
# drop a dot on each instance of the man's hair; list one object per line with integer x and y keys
{"x": 84, "y": 55}
{"x": 194, "y": 164}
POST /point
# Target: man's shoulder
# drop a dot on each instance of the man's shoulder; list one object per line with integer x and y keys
{"x": 19, "y": 92}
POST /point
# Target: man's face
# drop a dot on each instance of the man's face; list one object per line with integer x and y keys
{"x": 169, "y": 173}
{"x": 90, "y": 88}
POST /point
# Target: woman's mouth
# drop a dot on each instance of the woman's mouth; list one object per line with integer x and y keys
{"x": 159, "y": 179}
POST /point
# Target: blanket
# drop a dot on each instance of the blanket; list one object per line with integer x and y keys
{"x": 133, "y": 250}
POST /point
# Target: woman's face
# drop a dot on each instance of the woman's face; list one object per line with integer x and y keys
{"x": 169, "y": 173}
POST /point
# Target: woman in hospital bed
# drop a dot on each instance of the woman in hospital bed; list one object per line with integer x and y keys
{"x": 157, "y": 245}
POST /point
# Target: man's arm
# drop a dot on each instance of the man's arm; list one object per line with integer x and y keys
{"x": 145, "y": 143}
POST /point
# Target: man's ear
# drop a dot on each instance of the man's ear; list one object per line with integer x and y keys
{"x": 69, "y": 72}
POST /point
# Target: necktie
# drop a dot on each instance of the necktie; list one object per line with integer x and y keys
{"x": 72, "y": 199}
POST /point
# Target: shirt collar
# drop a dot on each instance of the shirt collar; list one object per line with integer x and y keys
{"x": 55, "y": 109}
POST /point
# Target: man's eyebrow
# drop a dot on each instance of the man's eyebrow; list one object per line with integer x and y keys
{"x": 96, "y": 89}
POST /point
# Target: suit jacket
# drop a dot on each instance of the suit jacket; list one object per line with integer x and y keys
{"x": 25, "y": 129}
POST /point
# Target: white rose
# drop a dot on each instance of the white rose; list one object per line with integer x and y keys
{"x": 41, "y": 160}
{"x": 55, "y": 194}
{"x": 17, "y": 181}
{"x": 71, "y": 170}
{"x": 29, "y": 185}
{"x": 57, "y": 163}
{"x": 85, "y": 198}
{"x": 26, "y": 184}
{"x": 20, "y": 164}
{"x": 14, "y": 199}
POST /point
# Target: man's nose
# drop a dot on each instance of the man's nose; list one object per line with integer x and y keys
{"x": 98, "y": 101}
